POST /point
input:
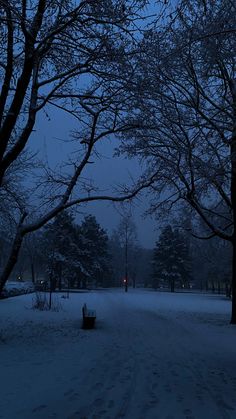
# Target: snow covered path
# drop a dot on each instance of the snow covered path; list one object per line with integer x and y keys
{"x": 151, "y": 356}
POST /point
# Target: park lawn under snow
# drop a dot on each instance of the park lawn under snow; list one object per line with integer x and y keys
{"x": 152, "y": 355}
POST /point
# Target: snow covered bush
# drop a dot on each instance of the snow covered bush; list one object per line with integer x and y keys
{"x": 15, "y": 288}
{"x": 41, "y": 302}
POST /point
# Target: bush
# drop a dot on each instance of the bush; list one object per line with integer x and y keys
{"x": 41, "y": 302}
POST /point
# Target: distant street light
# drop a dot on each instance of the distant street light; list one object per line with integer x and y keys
{"x": 127, "y": 234}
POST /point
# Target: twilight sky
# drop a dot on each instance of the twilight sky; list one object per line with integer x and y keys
{"x": 50, "y": 140}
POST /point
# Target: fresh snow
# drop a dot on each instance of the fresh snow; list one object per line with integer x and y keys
{"x": 152, "y": 355}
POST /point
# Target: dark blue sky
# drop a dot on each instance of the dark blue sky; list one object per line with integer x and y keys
{"x": 50, "y": 140}
{"x": 107, "y": 172}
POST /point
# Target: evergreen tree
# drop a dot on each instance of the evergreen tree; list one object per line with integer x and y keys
{"x": 96, "y": 258}
{"x": 62, "y": 251}
{"x": 76, "y": 255}
{"x": 171, "y": 260}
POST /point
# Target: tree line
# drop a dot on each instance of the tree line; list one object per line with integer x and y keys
{"x": 180, "y": 261}
{"x": 67, "y": 254}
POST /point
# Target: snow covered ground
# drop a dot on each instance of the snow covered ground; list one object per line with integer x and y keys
{"x": 152, "y": 355}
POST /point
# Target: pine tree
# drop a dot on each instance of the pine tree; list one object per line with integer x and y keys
{"x": 171, "y": 260}
{"x": 96, "y": 258}
{"x": 61, "y": 250}
{"x": 76, "y": 255}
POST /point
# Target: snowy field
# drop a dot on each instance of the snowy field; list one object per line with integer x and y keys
{"x": 152, "y": 356}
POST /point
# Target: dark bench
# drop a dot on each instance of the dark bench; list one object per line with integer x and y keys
{"x": 89, "y": 317}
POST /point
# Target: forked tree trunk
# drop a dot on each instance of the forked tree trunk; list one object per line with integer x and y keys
{"x": 11, "y": 260}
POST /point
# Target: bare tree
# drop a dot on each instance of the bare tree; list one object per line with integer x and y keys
{"x": 75, "y": 57}
{"x": 127, "y": 235}
{"x": 189, "y": 117}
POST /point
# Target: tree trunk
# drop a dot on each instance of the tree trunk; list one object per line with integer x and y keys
{"x": 233, "y": 313}
{"x": 228, "y": 290}
{"x": 212, "y": 286}
{"x": 32, "y": 272}
{"x": 11, "y": 260}
{"x": 126, "y": 258}
{"x": 233, "y": 202}
{"x": 60, "y": 279}
{"x": 14, "y": 254}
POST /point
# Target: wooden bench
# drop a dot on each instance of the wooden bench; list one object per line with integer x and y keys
{"x": 89, "y": 317}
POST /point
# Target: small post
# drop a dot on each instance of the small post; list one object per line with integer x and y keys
{"x": 126, "y": 258}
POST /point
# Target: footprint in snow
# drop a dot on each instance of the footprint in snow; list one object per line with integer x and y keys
{"x": 38, "y": 408}
{"x": 68, "y": 392}
{"x": 111, "y": 404}
{"x": 98, "y": 402}
{"x": 97, "y": 385}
